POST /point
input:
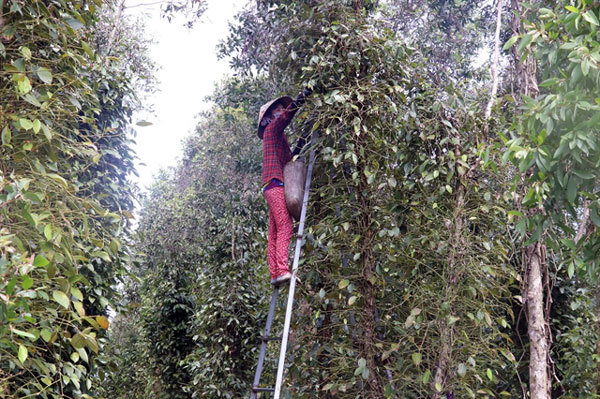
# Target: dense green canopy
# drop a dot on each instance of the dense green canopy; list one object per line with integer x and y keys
{"x": 446, "y": 252}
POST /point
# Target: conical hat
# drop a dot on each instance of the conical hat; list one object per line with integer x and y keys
{"x": 284, "y": 100}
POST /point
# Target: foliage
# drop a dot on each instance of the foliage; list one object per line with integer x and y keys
{"x": 124, "y": 350}
{"x": 231, "y": 277}
{"x": 203, "y": 274}
{"x": 449, "y": 34}
{"x": 557, "y": 134}
{"x": 555, "y": 146}
{"x": 399, "y": 170}
{"x": 65, "y": 196}
{"x": 192, "y": 10}
{"x": 410, "y": 280}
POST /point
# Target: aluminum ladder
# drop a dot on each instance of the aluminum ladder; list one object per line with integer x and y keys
{"x": 266, "y": 337}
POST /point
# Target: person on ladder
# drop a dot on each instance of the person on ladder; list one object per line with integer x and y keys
{"x": 273, "y": 118}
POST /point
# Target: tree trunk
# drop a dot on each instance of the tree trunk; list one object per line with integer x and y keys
{"x": 325, "y": 334}
{"x": 539, "y": 345}
{"x": 535, "y": 266}
{"x": 524, "y": 71}
{"x": 368, "y": 340}
{"x": 113, "y": 32}
{"x": 368, "y": 351}
{"x": 454, "y": 275}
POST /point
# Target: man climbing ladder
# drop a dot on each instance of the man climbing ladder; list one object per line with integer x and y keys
{"x": 273, "y": 118}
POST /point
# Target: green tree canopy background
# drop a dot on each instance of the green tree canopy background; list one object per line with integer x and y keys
{"x": 447, "y": 252}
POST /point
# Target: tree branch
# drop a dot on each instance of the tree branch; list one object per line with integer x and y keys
{"x": 494, "y": 67}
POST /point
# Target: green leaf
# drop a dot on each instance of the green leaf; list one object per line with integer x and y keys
{"x": 595, "y": 216}
{"x": 27, "y": 282}
{"x": 83, "y": 354}
{"x": 143, "y": 123}
{"x": 6, "y": 135}
{"x": 351, "y": 300}
{"x": 489, "y": 374}
{"x": 92, "y": 344}
{"x": 46, "y": 334}
{"x": 79, "y": 308}
{"x": 40, "y": 261}
{"x": 572, "y": 9}
{"x": 26, "y": 124}
{"x": 389, "y": 391}
{"x": 576, "y": 74}
{"x": 572, "y": 190}
{"x": 61, "y": 298}
{"x": 11, "y": 285}
{"x": 78, "y": 341}
{"x": 365, "y": 373}
{"x": 510, "y": 42}
{"x": 44, "y": 74}
{"x": 24, "y": 85}
{"x": 47, "y": 132}
{"x": 36, "y": 126}
{"x": 76, "y": 293}
{"x": 26, "y": 52}
{"x": 48, "y": 232}
{"x": 426, "y": 377}
{"x": 438, "y": 387}
{"x": 343, "y": 284}
{"x": 102, "y": 255}
{"x": 416, "y": 358}
{"x": 524, "y": 42}
{"x": 22, "y": 353}
{"x": 59, "y": 179}
{"x": 25, "y": 334}
{"x": 74, "y": 23}
{"x": 462, "y": 369}
{"x": 571, "y": 269}
{"x": 31, "y": 99}
{"x": 86, "y": 47}
{"x": 591, "y": 17}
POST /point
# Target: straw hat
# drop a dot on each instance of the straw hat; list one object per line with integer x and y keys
{"x": 284, "y": 100}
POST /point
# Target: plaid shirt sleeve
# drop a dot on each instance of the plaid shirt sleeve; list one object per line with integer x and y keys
{"x": 276, "y": 150}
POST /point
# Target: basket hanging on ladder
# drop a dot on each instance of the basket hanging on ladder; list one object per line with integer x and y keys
{"x": 294, "y": 175}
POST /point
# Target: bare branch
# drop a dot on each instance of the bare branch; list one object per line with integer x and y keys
{"x": 145, "y": 4}
{"x": 494, "y": 66}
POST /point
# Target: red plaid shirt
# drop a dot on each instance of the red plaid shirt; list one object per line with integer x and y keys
{"x": 276, "y": 149}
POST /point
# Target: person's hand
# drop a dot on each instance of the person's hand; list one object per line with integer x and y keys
{"x": 319, "y": 88}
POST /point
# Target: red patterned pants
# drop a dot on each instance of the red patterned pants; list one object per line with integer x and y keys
{"x": 281, "y": 229}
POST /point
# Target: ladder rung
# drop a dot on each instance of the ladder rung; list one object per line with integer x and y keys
{"x": 257, "y": 389}
{"x": 267, "y": 339}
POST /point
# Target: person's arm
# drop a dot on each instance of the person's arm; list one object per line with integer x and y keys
{"x": 301, "y": 99}
{"x": 291, "y": 111}
{"x": 295, "y": 105}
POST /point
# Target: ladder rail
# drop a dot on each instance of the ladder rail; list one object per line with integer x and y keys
{"x": 292, "y": 287}
{"x": 264, "y": 343}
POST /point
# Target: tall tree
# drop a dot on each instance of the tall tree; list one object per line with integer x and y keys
{"x": 555, "y": 149}
{"x": 65, "y": 195}
{"x": 393, "y": 161}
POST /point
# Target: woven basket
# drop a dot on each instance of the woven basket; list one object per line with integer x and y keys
{"x": 294, "y": 176}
